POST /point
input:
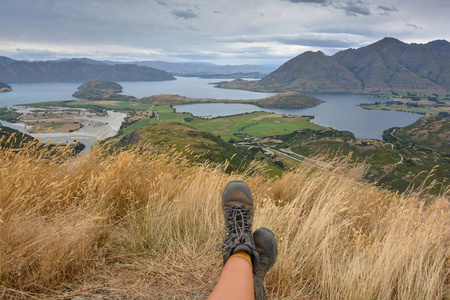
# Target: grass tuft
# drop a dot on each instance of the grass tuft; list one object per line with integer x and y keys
{"x": 139, "y": 224}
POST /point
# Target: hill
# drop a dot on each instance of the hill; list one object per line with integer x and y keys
{"x": 281, "y": 100}
{"x": 431, "y": 132}
{"x": 289, "y": 100}
{"x": 15, "y": 141}
{"x": 5, "y": 87}
{"x": 386, "y": 66}
{"x": 101, "y": 90}
{"x": 12, "y": 138}
{"x": 197, "y": 145}
{"x": 76, "y": 71}
{"x": 131, "y": 225}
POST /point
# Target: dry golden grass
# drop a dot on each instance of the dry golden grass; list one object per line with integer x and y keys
{"x": 145, "y": 225}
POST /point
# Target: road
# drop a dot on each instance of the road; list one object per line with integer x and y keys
{"x": 418, "y": 146}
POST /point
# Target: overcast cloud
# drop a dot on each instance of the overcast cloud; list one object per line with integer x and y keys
{"x": 224, "y": 32}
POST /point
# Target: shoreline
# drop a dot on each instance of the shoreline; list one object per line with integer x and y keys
{"x": 94, "y": 127}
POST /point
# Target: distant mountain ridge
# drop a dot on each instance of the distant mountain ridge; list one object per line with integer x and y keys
{"x": 12, "y": 71}
{"x": 191, "y": 68}
{"x": 179, "y": 68}
{"x": 388, "y": 65}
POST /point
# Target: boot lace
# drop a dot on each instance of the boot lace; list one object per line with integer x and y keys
{"x": 238, "y": 229}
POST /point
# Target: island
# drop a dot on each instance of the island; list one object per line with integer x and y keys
{"x": 5, "y": 87}
{"x": 281, "y": 100}
{"x": 101, "y": 90}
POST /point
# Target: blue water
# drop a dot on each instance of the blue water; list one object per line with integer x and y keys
{"x": 188, "y": 87}
{"x": 339, "y": 111}
{"x": 24, "y": 93}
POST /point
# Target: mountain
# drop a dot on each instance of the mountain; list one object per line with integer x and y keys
{"x": 6, "y": 60}
{"x": 84, "y": 59}
{"x": 76, "y": 71}
{"x": 194, "y": 68}
{"x": 312, "y": 71}
{"x": 388, "y": 65}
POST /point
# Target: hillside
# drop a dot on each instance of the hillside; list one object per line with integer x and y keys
{"x": 386, "y": 66}
{"x": 15, "y": 141}
{"x": 431, "y": 132}
{"x": 395, "y": 164}
{"x": 76, "y": 71}
{"x": 101, "y": 90}
{"x": 197, "y": 145}
{"x": 12, "y": 138}
{"x": 311, "y": 72}
{"x": 391, "y": 65}
{"x": 131, "y": 225}
{"x": 289, "y": 100}
{"x": 5, "y": 87}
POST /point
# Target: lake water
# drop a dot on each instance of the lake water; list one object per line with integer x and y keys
{"x": 24, "y": 93}
{"x": 339, "y": 111}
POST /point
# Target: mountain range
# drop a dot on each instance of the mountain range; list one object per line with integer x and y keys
{"x": 13, "y": 71}
{"x": 388, "y": 65}
{"x": 192, "y": 68}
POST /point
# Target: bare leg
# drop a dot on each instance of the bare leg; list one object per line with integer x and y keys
{"x": 235, "y": 281}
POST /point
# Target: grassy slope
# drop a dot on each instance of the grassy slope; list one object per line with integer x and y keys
{"x": 259, "y": 124}
{"x": 394, "y": 165}
{"x": 145, "y": 225}
{"x": 197, "y": 145}
{"x": 431, "y": 131}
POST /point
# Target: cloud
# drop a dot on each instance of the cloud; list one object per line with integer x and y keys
{"x": 354, "y": 8}
{"x": 414, "y": 26}
{"x": 321, "y": 40}
{"x": 161, "y": 2}
{"x": 184, "y": 14}
{"x": 308, "y": 1}
{"x": 387, "y": 10}
{"x": 351, "y": 7}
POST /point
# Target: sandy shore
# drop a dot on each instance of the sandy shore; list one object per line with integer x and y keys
{"x": 94, "y": 127}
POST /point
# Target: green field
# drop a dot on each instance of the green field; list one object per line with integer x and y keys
{"x": 258, "y": 124}
{"x": 402, "y": 108}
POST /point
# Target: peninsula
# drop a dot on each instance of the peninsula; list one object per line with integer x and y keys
{"x": 5, "y": 87}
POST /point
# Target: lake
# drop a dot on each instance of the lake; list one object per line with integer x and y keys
{"x": 24, "y": 93}
{"x": 339, "y": 111}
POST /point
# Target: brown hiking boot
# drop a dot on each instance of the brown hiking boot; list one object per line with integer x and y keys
{"x": 266, "y": 246}
{"x": 237, "y": 204}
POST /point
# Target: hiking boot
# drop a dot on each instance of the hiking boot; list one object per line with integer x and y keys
{"x": 237, "y": 204}
{"x": 266, "y": 246}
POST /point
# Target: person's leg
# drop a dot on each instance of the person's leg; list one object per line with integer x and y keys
{"x": 235, "y": 281}
{"x": 266, "y": 246}
{"x": 238, "y": 248}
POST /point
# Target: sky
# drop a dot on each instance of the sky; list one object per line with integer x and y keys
{"x": 216, "y": 31}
